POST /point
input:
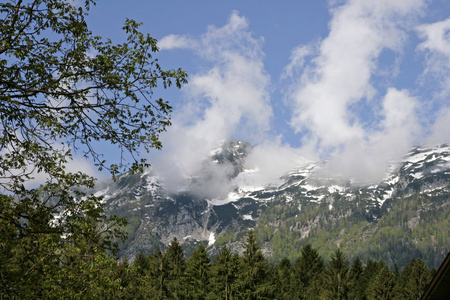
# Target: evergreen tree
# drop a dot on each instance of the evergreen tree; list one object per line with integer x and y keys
{"x": 396, "y": 272}
{"x": 140, "y": 285}
{"x": 198, "y": 273}
{"x": 175, "y": 264}
{"x": 158, "y": 273}
{"x": 382, "y": 286}
{"x": 149, "y": 277}
{"x": 254, "y": 281}
{"x": 282, "y": 279}
{"x": 124, "y": 274}
{"x": 370, "y": 273}
{"x": 306, "y": 274}
{"x": 356, "y": 286}
{"x": 413, "y": 280}
{"x": 141, "y": 263}
{"x": 336, "y": 278}
{"x": 224, "y": 272}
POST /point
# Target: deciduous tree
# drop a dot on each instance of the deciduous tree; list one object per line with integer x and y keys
{"x": 63, "y": 89}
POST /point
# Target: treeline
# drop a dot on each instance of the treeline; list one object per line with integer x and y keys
{"x": 84, "y": 270}
{"x": 170, "y": 275}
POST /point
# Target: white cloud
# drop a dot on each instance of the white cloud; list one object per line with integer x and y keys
{"x": 336, "y": 102}
{"x": 340, "y": 75}
{"x": 436, "y": 46}
{"x": 399, "y": 110}
{"x": 366, "y": 160}
{"x": 268, "y": 162}
{"x": 173, "y": 41}
{"x": 231, "y": 96}
{"x": 440, "y": 132}
{"x": 297, "y": 60}
{"x": 74, "y": 165}
{"x": 437, "y": 38}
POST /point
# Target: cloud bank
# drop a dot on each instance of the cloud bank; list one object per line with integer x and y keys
{"x": 230, "y": 96}
{"x": 335, "y": 97}
{"x": 342, "y": 103}
{"x": 436, "y": 47}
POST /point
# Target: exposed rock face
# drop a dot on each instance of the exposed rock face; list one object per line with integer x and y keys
{"x": 157, "y": 216}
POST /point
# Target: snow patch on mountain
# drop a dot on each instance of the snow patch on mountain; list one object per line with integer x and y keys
{"x": 417, "y": 175}
{"x": 420, "y": 154}
{"x": 104, "y": 194}
{"x": 192, "y": 217}
{"x": 247, "y": 217}
{"x": 153, "y": 184}
{"x": 211, "y": 239}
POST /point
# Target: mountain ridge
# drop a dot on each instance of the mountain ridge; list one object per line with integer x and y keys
{"x": 305, "y": 206}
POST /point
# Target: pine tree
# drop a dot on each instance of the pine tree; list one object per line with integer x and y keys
{"x": 174, "y": 264}
{"x": 282, "y": 279}
{"x": 337, "y": 276}
{"x": 254, "y": 281}
{"x": 140, "y": 286}
{"x": 198, "y": 273}
{"x": 306, "y": 273}
{"x": 141, "y": 263}
{"x": 413, "y": 280}
{"x": 370, "y": 273}
{"x": 152, "y": 283}
{"x": 382, "y": 287}
{"x": 224, "y": 273}
{"x": 356, "y": 287}
{"x": 126, "y": 277}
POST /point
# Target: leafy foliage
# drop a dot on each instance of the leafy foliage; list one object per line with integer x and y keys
{"x": 64, "y": 89}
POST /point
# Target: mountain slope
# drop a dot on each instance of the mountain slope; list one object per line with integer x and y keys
{"x": 405, "y": 215}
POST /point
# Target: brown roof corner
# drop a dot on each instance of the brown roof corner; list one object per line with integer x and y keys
{"x": 439, "y": 287}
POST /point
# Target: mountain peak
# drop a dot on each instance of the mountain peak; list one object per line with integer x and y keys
{"x": 218, "y": 203}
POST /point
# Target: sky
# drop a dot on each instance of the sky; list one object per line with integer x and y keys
{"x": 356, "y": 83}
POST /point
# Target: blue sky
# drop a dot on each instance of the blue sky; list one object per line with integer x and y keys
{"x": 355, "y": 82}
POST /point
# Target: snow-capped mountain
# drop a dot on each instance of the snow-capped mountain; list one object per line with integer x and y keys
{"x": 306, "y": 205}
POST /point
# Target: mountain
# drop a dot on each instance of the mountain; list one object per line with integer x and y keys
{"x": 405, "y": 215}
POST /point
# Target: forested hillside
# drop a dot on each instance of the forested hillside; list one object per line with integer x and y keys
{"x": 414, "y": 226}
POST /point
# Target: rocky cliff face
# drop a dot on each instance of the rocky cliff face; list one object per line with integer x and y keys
{"x": 305, "y": 204}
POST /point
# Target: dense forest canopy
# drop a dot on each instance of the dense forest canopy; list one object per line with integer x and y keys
{"x": 170, "y": 275}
